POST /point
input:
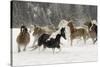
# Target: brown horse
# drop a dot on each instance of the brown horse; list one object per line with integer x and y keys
{"x": 92, "y": 29}
{"x": 77, "y": 32}
{"x": 23, "y": 38}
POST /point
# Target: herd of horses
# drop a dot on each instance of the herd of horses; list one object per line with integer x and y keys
{"x": 49, "y": 36}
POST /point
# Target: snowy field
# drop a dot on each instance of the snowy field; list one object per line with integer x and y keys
{"x": 80, "y": 52}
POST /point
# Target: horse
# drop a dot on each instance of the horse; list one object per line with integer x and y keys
{"x": 77, "y": 32}
{"x": 64, "y": 23}
{"x": 92, "y": 29}
{"x": 52, "y": 42}
{"x": 23, "y": 38}
{"x": 37, "y": 31}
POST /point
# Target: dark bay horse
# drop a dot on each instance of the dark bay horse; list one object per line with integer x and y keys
{"x": 23, "y": 38}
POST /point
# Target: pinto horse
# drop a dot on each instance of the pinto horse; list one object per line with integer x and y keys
{"x": 52, "y": 42}
{"x": 37, "y": 31}
{"x": 77, "y": 32}
{"x": 92, "y": 29}
{"x": 64, "y": 23}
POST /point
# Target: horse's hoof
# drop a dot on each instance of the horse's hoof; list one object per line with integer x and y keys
{"x": 58, "y": 51}
{"x": 32, "y": 49}
{"x": 18, "y": 51}
{"x": 24, "y": 50}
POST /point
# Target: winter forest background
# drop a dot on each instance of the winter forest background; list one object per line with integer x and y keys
{"x": 27, "y": 13}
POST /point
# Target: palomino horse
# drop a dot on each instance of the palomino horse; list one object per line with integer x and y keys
{"x": 92, "y": 29}
{"x": 77, "y": 32}
{"x": 23, "y": 38}
{"x": 37, "y": 31}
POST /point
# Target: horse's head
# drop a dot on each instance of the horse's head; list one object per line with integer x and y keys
{"x": 93, "y": 28}
{"x": 88, "y": 24}
{"x": 94, "y": 22}
{"x": 70, "y": 24}
{"x": 63, "y": 33}
{"x": 32, "y": 27}
{"x": 62, "y": 23}
{"x": 24, "y": 28}
{"x": 37, "y": 30}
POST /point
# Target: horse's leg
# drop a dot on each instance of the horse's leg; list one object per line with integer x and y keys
{"x": 87, "y": 36}
{"x": 44, "y": 47}
{"x": 39, "y": 49}
{"x": 24, "y": 48}
{"x": 95, "y": 41}
{"x": 53, "y": 50}
{"x": 71, "y": 42}
{"x": 84, "y": 38}
{"x": 19, "y": 48}
{"x": 35, "y": 47}
{"x": 34, "y": 43}
{"x": 59, "y": 50}
{"x": 61, "y": 43}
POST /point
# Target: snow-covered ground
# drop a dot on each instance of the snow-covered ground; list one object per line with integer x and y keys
{"x": 80, "y": 52}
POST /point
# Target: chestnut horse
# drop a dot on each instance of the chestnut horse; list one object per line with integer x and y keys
{"x": 77, "y": 32}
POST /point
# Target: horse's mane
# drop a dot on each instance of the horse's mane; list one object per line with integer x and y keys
{"x": 38, "y": 30}
{"x": 62, "y": 23}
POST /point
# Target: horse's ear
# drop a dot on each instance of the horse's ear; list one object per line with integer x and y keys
{"x": 63, "y": 28}
{"x": 34, "y": 25}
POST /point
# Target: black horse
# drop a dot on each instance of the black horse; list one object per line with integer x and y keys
{"x": 52, "y": 42}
